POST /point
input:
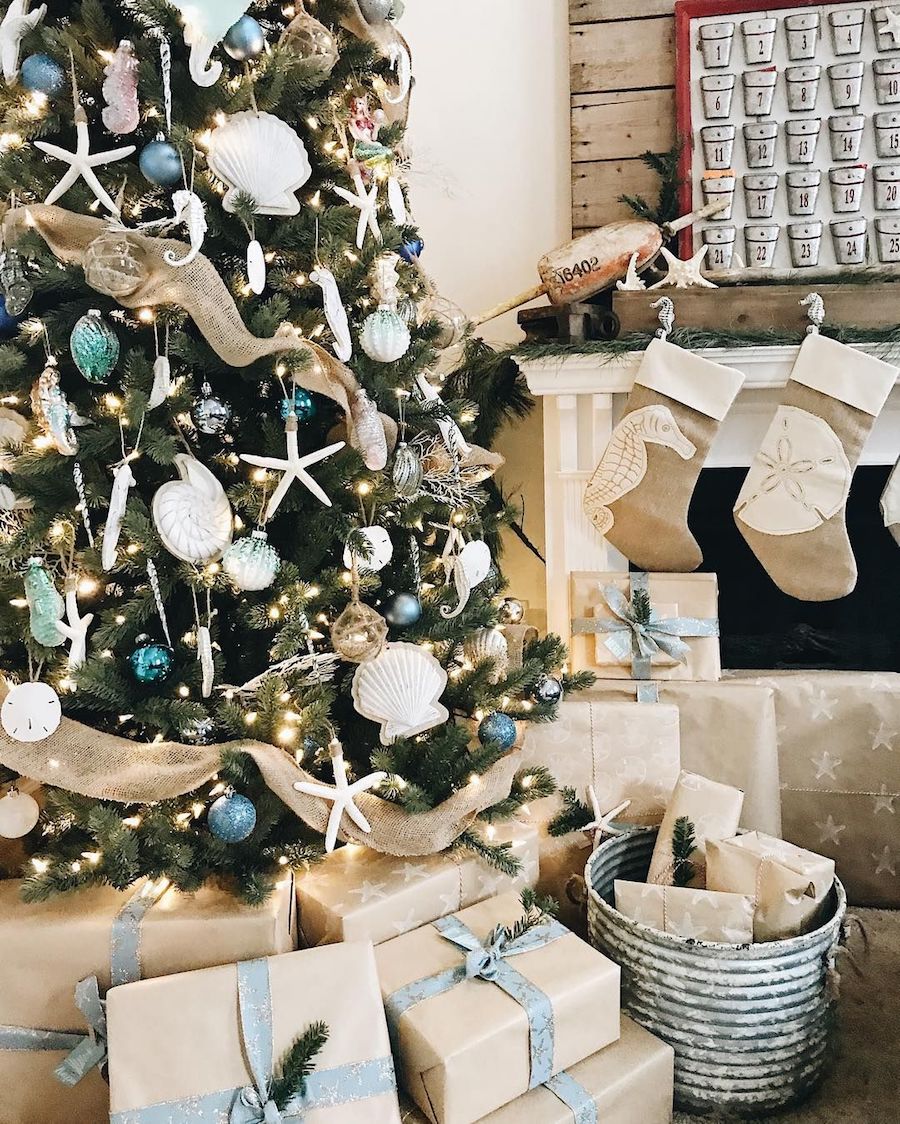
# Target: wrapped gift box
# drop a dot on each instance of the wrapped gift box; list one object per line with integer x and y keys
{"x": 630, "y": 1082}
{"x": 714, "y": 811}
{"x": 464, "y": 1046}
{"x": 56, "y": 944}
{"x": 682, "y": 635}
{"x": 356, "y": 894}
{"x": 188, "y": 1047}
{"x": 702, "y": 915}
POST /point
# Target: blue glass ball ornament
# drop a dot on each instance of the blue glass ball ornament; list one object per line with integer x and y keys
{"x": 245, "y": 39}
{"x": 411, "y": 250}
{"x": 310, "y": 747}
{"x": 232, "y": 818}
{"x": 304, "y": 405}
{"x": 43, "y": 74}
{"x": 402, "y": 610}
{"x": 160, "y": 163}
{"x": 9, "y": 325}
{"x": 549, "y": 690}
{"x": 150, "y": 662}
{"x": 497, "y": 729}
{"x": 94, "y": 346}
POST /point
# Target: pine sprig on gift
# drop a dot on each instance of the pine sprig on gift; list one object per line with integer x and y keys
{"x": 574, "y": 816}
{"x": 497, "y": 855}
{"x": 297, "y": 1064}
{"x": 528, "y": 785}
{"x": 640, "y": 606}
{"x": 538, "y": 910}
{"x": 684, "y": 843}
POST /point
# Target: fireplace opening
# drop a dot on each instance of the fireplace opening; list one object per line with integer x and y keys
{"x": 765, "y": 628}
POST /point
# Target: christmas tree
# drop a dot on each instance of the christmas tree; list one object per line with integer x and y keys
{"x": 248, "y": 534}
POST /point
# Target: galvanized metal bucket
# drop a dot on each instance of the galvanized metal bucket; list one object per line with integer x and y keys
{"x": 750, "y": 1024}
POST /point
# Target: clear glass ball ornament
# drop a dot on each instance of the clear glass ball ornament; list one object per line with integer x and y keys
{"x": 452, "y": 322}
{"x": 311, "y": 40}
{"x": 359, "y": 633}
{"x": 114, "y": 263}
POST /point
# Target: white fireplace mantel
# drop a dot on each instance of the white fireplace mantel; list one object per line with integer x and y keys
{"x": 584, "y": 398}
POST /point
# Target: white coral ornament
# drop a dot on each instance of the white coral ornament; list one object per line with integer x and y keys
{"x": 401, "y": 689}
{"x": 259, "y": 155}
{"x": 192, "y": 515}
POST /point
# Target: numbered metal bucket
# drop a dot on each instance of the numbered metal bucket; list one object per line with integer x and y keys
{"x": 846, "y": 131}
{"x": 751, "y": 1025}
{"x": 805, "y": 240}
{"x": 759, "y": 40}
{"x": 850, "y": 241}
{"x": 718, "y": 146}
{"x": 887, "y": 134}
{"x": 887, "y": 240}
{"x": 720, "y": 240}
{"x": 802, "y": 137}
{"x": 716, "y": 188}
{"x": 717, "y": 91}
{"x": 886, "y": 178}
{"x": 802, "y": 35}
{"x": 803, "y": 192}
{"x": 847, "y": 186}
{"x": 759, "y": 92}
{"x": 759, "y": 195}
{"x": 847, "y": 31}
{"x": 885, "y": 38}
{"x": 887, "y": 81}
{"x": 802, "y": 87}
{"x": 761, "y": 240}
{"x": 716, "y": 41}
{"x": 846, "y": 79}
{"x": 760, "y": 139}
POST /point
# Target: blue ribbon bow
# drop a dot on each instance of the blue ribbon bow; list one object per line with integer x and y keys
{"x": 253, "y": 1104}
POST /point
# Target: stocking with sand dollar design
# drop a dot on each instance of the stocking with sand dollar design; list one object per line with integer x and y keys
{"x": 792, "y": 507}
{"x": 639, "y": 494}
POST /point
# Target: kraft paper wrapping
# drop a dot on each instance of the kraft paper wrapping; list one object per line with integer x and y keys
{"x": 839, "y": 741}
{"x": 356, "y": 894}
{"x": 631, "y": 1083}
{"x": 48, "y": 947}
{"x": 671, "y": 595}
{"x": 464, "y": 1054}
{"x": 702, "y": 915}
{"x": 179, "y": 1037}
{"x": 715, "y": 811}
{"x": 788, "y": 884}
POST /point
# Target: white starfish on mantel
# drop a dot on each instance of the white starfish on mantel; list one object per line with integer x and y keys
{"x": 342, "y": 796}
{"x": 685, "y": 274}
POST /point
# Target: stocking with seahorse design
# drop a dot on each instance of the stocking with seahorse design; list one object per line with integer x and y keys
{"x": 639, "y": 494}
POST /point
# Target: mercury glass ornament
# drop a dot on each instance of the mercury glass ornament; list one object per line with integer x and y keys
{"x": 43, "y": 74}
{"x": 311, "y": 40}
{"x": 511, "y": 611}
{"x": 150, "y": 662}
{"x": 244, "y": 40}
{"x": 45, "y": 605}
{"x": 403, "y": 610}
{"x": 359, "y": 633}
{"x": 304, "y": 405}
{"x": 232, "y": 818}
{"x": 17, "y": 289}
{"x": 376, "y": 11}
{"x": 497, "y": 729}
{"x": 211, "y": 415}
{"x": 548, "y": 690}
{"x": 160, "y": 163}
{"x": 408, "y": 472}
{"x": 385, "y": 338}
{"x": 251, "y": 563}
{"x": 95, "y": 347}
{"x": 114, "y": 263}
{"x": 199, "y": 731}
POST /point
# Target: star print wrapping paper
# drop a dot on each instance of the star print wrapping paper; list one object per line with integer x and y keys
{"x": 56, "y": 944}
{"x": 463, "y": 1054}
{"x": 160, "y": 1033}
{"x": 702, "y": 915}
{"x": 629, "y": 1082}
{"x": 356, "y": 894}
{"x": 714, "y": 811}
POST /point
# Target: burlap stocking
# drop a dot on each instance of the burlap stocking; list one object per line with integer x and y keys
{"x": 791, "y": 509}
{"x": 639, "y": 495}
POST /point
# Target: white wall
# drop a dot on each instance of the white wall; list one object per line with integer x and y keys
{"x": 489, "y": 131}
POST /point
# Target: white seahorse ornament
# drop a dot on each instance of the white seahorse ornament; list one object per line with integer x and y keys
{"x": 206, "y": 23}
{"x": 190, "y": 212}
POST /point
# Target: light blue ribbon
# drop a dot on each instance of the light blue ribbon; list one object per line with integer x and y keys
{"x": 575, "y": 1097}
{"x": 252, "y": 1103}
{"x": 488, "y": 960}
{"x": 125, "y": 937}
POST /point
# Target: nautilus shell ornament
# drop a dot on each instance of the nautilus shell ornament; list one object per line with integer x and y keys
{"x": 192, "y": 515}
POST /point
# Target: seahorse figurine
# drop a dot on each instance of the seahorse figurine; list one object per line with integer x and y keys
{"x": 624, "y": 464}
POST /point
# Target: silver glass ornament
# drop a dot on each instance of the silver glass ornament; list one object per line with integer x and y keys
{"x": 408, "y": 471}
{"x": 211, "y": 415}
{"x": 549, "y": 690}
{"x": 16, "y": 287}
{"x": 376, "y": 11}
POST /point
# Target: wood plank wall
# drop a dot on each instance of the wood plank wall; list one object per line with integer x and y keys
{"x": 623, "y": 73}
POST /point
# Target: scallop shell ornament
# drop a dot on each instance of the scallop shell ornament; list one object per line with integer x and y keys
{"x": 251, "y": 563}
{"x": 401, "y": 689}
{"x": 259, "y": 155}
{"x": 385, "y": 338}
{"x": 489, "y": 644}
{"x": 192, "y": 515}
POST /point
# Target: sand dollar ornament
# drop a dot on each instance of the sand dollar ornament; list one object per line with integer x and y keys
{"x": 259, "y": 155}
{"x": 192, "y": 515}
{"x": 19, "y": 814}
{"x": 380, "y": 550}
{"x": 95, "y": 347}
{"x": 252, "y": 563}
{"x": 31, "y": 712}
{"x": 401, "y": 689}
{"x": 114, "y": 263}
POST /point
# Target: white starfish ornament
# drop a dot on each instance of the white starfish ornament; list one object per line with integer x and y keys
{"x": 633, "y": 282}
{"x": 600, "y": 825}
{"x": 891, "y": 25}
{"x": 75, "y": 626}
{"x": 294, "y": 467}
{"x": 367, "y": 202}
{"x": 82, "y": 163}
{"x": 342, "y": 796}
{"x": 684, "y": 274}
{"x": 17, "y": 23}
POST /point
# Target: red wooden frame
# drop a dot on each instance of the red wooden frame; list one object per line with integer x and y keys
{"x": 685, "y": 11}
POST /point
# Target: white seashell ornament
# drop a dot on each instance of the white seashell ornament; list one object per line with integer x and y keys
{"x": 489, "y": 644}
{"x": 381, "y": 551}
{"x": 192, "y": 515}
{"x": 256, "y": 267}
{"x": 401, "y": 689}
{"x": 385, "y": 338}
{"x": 251, "y": 563}
{"x": 470, "y": 567}
{"x": 260, "y": 155}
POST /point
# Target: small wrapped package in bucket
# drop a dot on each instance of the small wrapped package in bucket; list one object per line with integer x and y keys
{"x": 701, "y": 915}
{"x": 481, "y": 1014}
{"x": 208, "y": 1045}
{"x": 714, "y": 812}
{"x": 630, "y": 1082}
{"x": 356, "y": 894}
{"x": 788, "y": 884}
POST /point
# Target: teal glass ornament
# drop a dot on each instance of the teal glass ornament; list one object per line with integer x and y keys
{"x": 45, "y": 605}
{"x": 150, "y": 662}
{"x": 232, "y": 818}
{"x": 497, "y": 729}
{"x": 304, "y": 405}
{"x": 244, "y": 40}
{"x": 95, "y": 347}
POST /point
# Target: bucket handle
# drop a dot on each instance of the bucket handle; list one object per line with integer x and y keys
{"x": 841, "y": 947}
